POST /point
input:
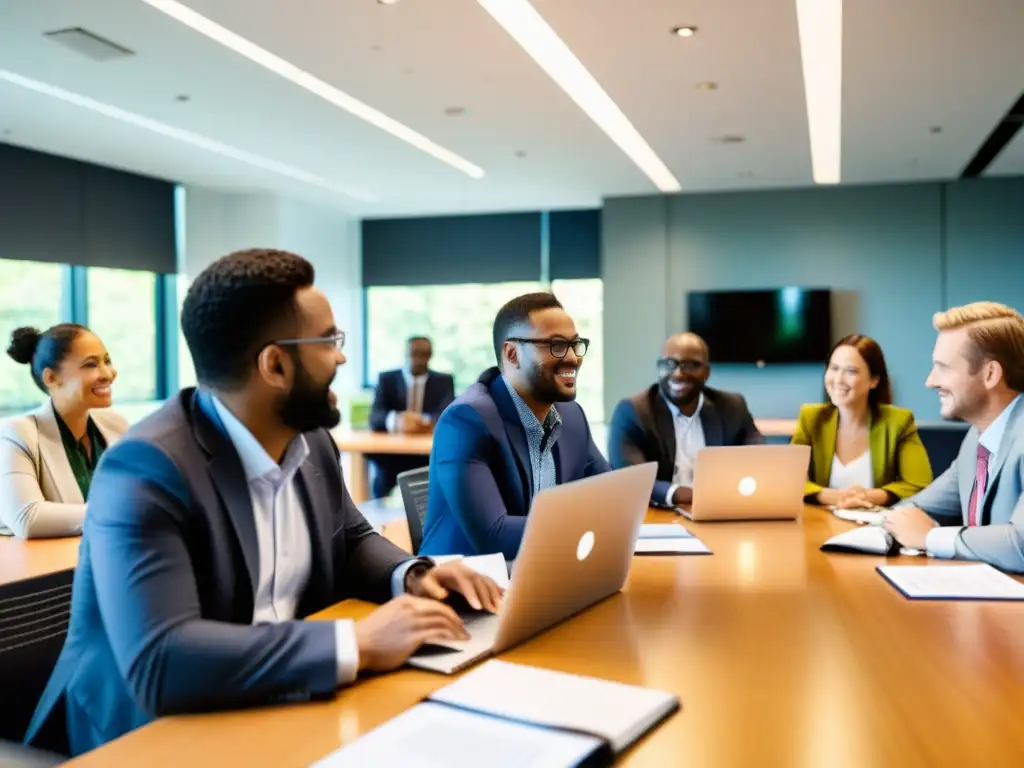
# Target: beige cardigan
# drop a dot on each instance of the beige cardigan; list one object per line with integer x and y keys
{"x": 39, "y": 496}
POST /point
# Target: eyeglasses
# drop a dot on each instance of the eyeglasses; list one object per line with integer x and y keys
{"x": 559, "y": 347}
{"x": 338, "y": 340}
{"x": 668, "y": 365}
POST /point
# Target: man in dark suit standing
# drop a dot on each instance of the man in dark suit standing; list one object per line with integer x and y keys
{"x": 221, "y": 519}
{"x": 407, "y": 401}
{"x": 512, "y": 434}
{"x": 672, "y": 420}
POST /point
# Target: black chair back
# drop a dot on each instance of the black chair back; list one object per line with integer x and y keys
{"x": 413, "y": 485}
{"x": 34, "y": 615}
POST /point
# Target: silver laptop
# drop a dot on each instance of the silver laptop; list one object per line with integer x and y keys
{"x": 576, "y": 551}
{"x": 749, "y": 482}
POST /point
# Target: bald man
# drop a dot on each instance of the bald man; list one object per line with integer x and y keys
{"x": 673, "y": 419}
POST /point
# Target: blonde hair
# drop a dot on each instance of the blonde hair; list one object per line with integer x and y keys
{"x": 996, "y": 332}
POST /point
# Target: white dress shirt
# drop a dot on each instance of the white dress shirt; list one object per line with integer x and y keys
{"x": 941, "y": 541}
{"x": 282, "y": 537}
{"x": 689, "y": 440}
{"x": 415, "y": 387}
{"x": 857, "y": 472}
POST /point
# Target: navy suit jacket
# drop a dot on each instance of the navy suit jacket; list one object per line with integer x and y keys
{"x": 162, "y": 602}
{"x": 393, "y": 395}
{"x": 481, "y": 477}
{"x": 642, "y": 430}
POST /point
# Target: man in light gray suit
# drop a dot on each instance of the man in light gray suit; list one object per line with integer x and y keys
{"x": 217, "y": 522}
{"x": 975, "y": 509}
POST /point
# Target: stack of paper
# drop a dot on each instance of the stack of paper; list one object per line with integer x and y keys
{"x": 874, "y": 516}
{"x": 869, "y": 539}
{"x": 668, "y": 539}
{"x": 503, "y": 714}
{"x": 952, "y": 582}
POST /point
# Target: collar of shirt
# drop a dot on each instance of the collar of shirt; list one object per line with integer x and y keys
{"x": 677, "y": 414}
{"x": 992, "y": 437}
{"x": 256, "y": 462}
{"x": 552, "y": 422}
{"x": 409, "y": 378}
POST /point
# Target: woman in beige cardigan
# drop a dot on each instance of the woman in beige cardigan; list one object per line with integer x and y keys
{"x": 47, "y": 457}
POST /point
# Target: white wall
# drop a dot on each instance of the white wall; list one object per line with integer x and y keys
{"x": 217, "y": 223}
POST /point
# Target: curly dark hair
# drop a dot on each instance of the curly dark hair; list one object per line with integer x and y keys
{"x": 517, "y": 313}
{"x": 238, "y": 305}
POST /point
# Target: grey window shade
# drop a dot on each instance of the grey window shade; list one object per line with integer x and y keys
{"x": 59, "y": 210}
{"x": 575, "y": 244}
{"x": 444, "y": 250}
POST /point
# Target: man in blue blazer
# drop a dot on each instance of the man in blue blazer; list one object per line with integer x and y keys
{"x": 407, "y": 401}
{"x": 512, "y": 434}
{"x": 217, "y": 522}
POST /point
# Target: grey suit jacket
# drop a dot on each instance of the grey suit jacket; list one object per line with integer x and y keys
{"x": 39, "y": 496}
{"x": 163, "y": 596}
{"x": 999, "y": 540}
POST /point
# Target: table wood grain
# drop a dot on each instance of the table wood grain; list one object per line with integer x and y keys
{"x": 21, "y": 559}
{"x": 782, "y": 656}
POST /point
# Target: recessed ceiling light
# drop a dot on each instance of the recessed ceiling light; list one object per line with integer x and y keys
{"x": 386, "y": 2}
{"x": 707, "y": 85}
{"x": 820, "y": 24}
{"x": 684, "y": 31}
{"x": 186, "y": 137}
{"x": 528, "y": 28}
{"x": 313, "y": 84}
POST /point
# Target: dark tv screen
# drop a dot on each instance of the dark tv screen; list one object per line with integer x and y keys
{"x": 783, "y": 325}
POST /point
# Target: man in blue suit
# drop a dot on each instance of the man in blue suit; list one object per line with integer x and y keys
{"x": 219, "y": 521}
{"x": 512, "y": 434}
{"x": 407, "y": 401}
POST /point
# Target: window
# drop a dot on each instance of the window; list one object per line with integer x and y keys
{"x": 30, "y": 294}
{"x": 186, "y": 369}
{"x": 122, "y": 312}
{"x": 458, "y": 318}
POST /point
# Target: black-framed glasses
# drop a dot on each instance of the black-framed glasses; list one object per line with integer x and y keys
{"x": 338, "y": 340}
{"x": 558, "y": 347}
{"x": 668, "y": 365}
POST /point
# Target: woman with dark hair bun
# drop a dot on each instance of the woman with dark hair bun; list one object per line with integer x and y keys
{"x": 47, "y": 457}
{"x": 865, "y": 452}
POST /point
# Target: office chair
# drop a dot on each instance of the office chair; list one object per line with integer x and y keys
{"x": 34, "y": 615}
{"x": 413, "y": 485}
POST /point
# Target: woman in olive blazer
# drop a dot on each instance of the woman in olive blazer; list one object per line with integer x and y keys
{"x": 47, "y": 457}
{"x": 864, "y": 450}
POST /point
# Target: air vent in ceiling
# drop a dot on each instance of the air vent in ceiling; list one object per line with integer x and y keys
{"x": 88, "y": 44}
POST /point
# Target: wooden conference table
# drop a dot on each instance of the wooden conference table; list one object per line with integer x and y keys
{"x": 781, "y": 655}
{"x": 357, "y": 443}
{"x": 20, "y": 559}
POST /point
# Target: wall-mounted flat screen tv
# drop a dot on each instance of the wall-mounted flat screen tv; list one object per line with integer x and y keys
{"x": 780, "y": 325}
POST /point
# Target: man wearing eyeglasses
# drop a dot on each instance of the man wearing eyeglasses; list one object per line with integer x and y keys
{"x": 673, "y": 419}
{"x": 222, "y": 519}
{"x": 512, "y": 434}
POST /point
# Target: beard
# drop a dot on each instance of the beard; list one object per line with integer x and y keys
{"x": 544, "y": 387}
{"x": 308, "y": 406}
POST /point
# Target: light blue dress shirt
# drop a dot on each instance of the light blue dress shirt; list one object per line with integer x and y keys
{"x": 282, "y": 537}
{"x": 941, "y": 541}
{"x": 540, "y": 438}
{"x": 689, "y": 431}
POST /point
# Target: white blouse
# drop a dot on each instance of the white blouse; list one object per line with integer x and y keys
{"x": 857, "y": 472}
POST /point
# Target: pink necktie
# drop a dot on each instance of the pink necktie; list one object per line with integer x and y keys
{"x": 980, "y": 482}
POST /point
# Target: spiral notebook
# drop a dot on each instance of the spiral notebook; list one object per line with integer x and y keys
{"x": 504, "y": 715}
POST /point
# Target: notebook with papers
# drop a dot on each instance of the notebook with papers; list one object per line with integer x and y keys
{"x": 668, "y": 539}
{"x": 952, "y": 582}
{"x": 513, "y": 715}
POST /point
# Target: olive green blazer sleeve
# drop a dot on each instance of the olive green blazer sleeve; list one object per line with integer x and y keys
{"x": 814, "y": 428}
{"x": 907, "y": 469}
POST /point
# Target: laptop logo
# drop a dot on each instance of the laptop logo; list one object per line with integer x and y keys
{"x": 747, "y": 486}
{"x": 585, "y": 546}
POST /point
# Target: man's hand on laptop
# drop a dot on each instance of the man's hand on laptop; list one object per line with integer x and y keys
{"x": 393, "y": 632}
{"x": 480, "y": 591}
